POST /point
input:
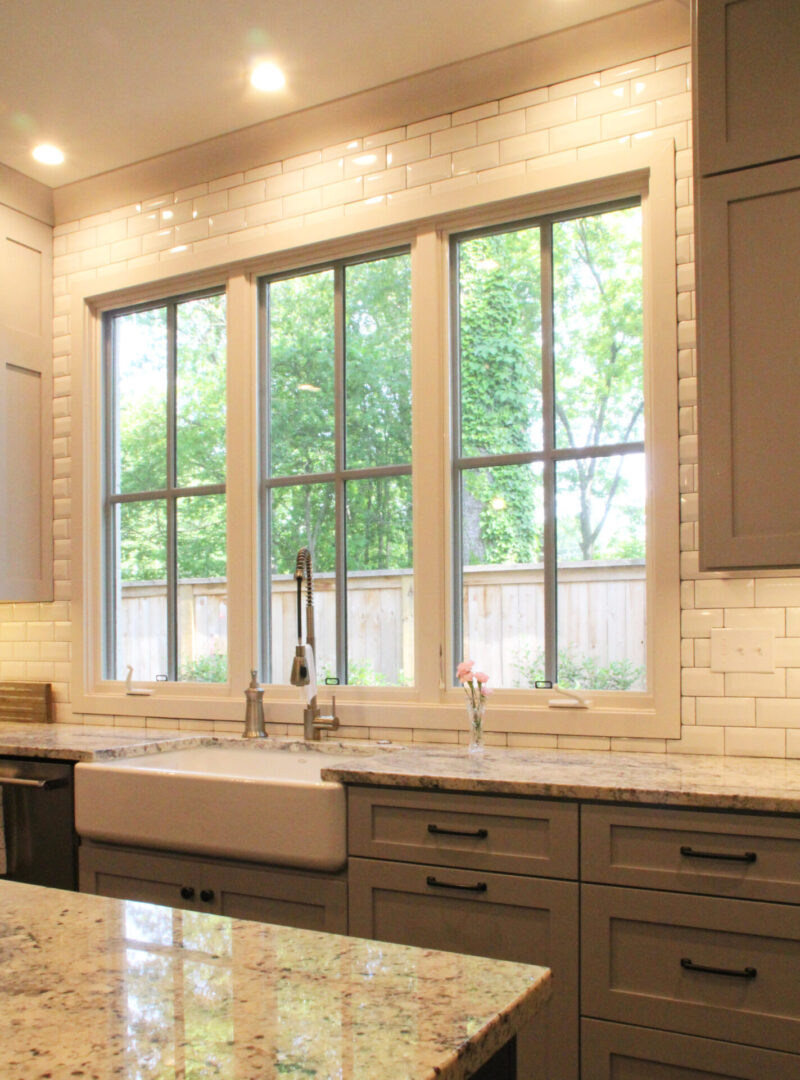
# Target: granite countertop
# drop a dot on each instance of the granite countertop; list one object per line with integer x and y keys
{"x": 771, "y": 785}
{"x": 724, "y": 783}
{"x": 94, "y": 987}
{"x": 79, "y": 742}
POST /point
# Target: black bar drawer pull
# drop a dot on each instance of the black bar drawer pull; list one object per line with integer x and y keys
{"x": 745, "y": 973}
{"x": 479, "y": 886}
{"x": 477, "y": 834}
{"x": 730, "y": 856}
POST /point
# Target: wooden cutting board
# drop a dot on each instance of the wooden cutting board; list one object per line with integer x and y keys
{"x": 26, "y": 702}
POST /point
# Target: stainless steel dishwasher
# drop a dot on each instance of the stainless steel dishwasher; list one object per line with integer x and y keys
{"x": 38, "y": 831}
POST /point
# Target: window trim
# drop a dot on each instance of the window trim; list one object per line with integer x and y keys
{"x": 426, "y": 223}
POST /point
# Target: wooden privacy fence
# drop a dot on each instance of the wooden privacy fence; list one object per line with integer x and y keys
{"x": 601, "y": 607}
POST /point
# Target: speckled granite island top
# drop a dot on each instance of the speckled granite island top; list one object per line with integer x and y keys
{"x": 91, "y": 987}
{"x": 725, "y": 783}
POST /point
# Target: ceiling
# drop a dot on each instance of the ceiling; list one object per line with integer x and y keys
{"x": 114, "y": 82}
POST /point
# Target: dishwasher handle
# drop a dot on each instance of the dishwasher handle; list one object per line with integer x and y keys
{"x": 24, "y": 781}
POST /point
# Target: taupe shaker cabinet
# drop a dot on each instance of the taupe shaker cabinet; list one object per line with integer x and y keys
{"x": 26, "y": 409}
{"x": 475, "y": 874}
{"x": 747, "y": 224}
{"x": 288, "y": 897}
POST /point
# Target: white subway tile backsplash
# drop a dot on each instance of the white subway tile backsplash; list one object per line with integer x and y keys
{"x": 425, "y": 127}
{"x": 754, "y": 684}
{"x": 778, "y": 712}
{"x": 503, "y": 126}
{"x": 783, "y": 592}
{"x": 604, "y": 99}
{"x": 581, "y": 133}
{"x": 703, "y": 682}
{"x": 521, "y": 147}
{"x": 725, "y": 592}
{"x": 478, "y": 157}
{"x": 726, "y": 711}
{"x": 547, "y": 115}
{"x": 757, "y": 618}
{"x": 522, "y": 101}
{"x": 425, "y": 172}
{"x": 634, "y": 70}
{"x": 457, "y": 138}
{"x": 477, "y": 112}
{"x": 755, "y": 742}
{"x": 403, "y": 153}
{"x": 627, "y": 121}
{"x": 698, "y": 740}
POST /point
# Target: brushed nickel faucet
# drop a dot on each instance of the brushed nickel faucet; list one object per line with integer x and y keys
{"x": 304, "y": 666}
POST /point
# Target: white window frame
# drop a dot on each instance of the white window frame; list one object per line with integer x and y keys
{"x": 426, "y": 224}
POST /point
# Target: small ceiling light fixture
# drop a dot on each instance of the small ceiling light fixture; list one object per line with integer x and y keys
{"x": 48, "y": 155}
{"x": 267, "y": 76}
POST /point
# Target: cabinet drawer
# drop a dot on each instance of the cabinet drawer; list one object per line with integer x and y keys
{"x": 755, "y": 858}
{"x": 514, "y": 836}
{"x": 530, "y": 920}
{"x": 622, "y": 1052}
{"x": 646, "y": 957}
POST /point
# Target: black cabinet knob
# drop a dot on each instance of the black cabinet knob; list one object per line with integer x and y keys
{"x": 207, "y": 895}
{"x": 187, "y": 892}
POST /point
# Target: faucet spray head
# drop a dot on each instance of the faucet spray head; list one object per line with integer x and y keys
{"x": 299, "y": 675}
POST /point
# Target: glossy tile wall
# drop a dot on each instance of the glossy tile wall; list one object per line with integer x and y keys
{"x": 599, "y": 113}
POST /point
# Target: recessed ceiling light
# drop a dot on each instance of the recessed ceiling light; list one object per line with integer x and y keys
{"x": 267, "y": 76}
{"x": 48, "y": 155}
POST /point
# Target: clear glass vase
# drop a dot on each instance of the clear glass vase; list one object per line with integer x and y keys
{"x": 475, "y": 711}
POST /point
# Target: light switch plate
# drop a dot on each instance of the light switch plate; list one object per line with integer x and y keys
{"x": 743, "y": 650}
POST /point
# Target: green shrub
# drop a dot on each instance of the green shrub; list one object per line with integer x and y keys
{"x": 577, "y": 671}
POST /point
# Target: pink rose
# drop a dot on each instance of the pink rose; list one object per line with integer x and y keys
{"x": 464, "y": 670}
{"x": 481, "y": 676}
{"x": 485, "y": 691}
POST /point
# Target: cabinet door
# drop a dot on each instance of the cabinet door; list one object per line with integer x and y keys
{"x": 747, "y": 82}
{"x": 26, "y": 436}
{"x": 622, "y": 1052}
{"x": 262, "y": 894}
{"x": 533, "y": 920}
{"x": 749, "y": 375}
{"x": 285, "y": 897}
{"x": 147, "y": 876}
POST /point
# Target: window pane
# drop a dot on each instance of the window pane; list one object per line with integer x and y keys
{"x": 202, "y": 601}
{"x": 500, "y": 343}
{"x": 301, "y": 375}
{"x": 140, "y": 340}
{"x": 378, "y": 362}
{"x": 141, "y": 590}
{"x": 302, "y": 516}
{"x": 601, "y": 573}
{"x": 597, "y": 313}
{"x": 502, "y": 529}
{"x": 380, "y": 583}
{"x": 200, "y": 392}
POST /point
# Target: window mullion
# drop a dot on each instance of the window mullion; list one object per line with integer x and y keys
{"x": 456, "y": 474}
{"x": 264, "y": 496}
{"x": 171, "y": 501}
{"x": 339, "y": 465}
{"x": 548, "y": 436}
{"x": 111, "y": 455}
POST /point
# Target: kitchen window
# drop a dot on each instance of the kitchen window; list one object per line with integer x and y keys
{"x": 251, "y": 408}
{"x": 165, "y": 512}
{"x": 336, "y": 467}
{"x": 549, "y": 486}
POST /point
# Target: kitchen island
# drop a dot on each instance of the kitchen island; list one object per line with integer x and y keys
{"x": 92, "y": 987}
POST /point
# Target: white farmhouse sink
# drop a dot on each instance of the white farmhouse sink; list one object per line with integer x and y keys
{"x": 267, "y": 806}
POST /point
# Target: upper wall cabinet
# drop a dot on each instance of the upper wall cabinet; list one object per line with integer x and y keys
{"x": 747, "y": 73}
{"x": 748, "y": 317}
{"x": 26, "y": 530}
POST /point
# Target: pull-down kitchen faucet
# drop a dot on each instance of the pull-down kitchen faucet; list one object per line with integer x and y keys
{"x": 304, "y": 665}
